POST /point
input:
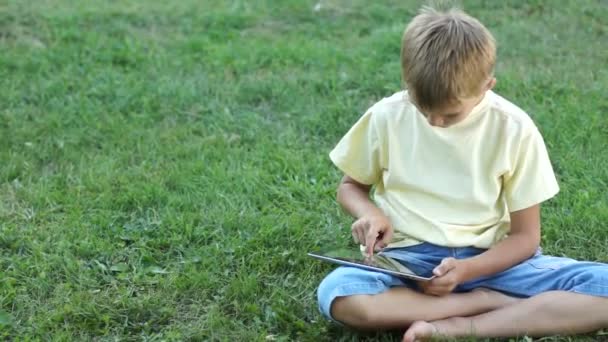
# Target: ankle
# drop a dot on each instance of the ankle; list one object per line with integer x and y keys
{"x": 454, "y": 327}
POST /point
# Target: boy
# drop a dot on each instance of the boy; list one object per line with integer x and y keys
{"x": 459, "y": 174}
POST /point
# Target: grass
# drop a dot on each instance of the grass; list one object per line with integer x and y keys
{"x": 164, "y": 163}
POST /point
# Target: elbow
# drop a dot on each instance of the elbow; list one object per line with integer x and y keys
{"x": 533, "y": 248}
{"x": 532, "y": 243}
{"x": 342, "y": 190}
{"x": 349, "y": 189}
{"x": 527, "y": 242}
{"x": 535, "y": 241}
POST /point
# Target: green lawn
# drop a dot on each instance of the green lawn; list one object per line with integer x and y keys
{"x": 164, "y": 169}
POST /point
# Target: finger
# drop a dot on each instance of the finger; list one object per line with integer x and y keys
{"x": 444, "y": 280}
{"x": 438, "y": 290}
{"x": 381, "y": 244}
{"x": 355, "y": 236}
{"x": 424, "y": 287}
{"x": 442, "y": 283}
{"x": 441, "y": 289}
{"x": 362, "y": 228}
{"x": 409, "y": 336}
{"x": 446, "y": 265}
{"x": 361, "y": 235}
{"x": 353, "y": 231}
{"x": 356, "y": 231}
{"x": 387, "y": 236}
{"x": 370, "y": 240}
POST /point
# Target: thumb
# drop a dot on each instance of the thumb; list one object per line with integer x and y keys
{"x": 446, "y": 265}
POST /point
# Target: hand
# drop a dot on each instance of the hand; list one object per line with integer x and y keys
{"x": 449, "y": 274}
{"x": 374, "y": 232}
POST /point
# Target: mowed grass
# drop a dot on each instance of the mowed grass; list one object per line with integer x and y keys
{"x": 164, "y": 169}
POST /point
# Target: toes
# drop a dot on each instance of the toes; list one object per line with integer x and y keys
{"x": 409, "y": 336}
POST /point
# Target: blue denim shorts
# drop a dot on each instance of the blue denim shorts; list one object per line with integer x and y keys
{"x": 538, "y": 274}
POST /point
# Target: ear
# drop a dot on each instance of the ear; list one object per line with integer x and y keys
{"x": 491, "y": 84}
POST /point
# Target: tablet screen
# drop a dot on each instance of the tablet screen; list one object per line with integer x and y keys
{"x": 378, "y": 262}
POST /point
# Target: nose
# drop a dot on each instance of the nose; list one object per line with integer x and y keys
{"x": 436, "y": 120}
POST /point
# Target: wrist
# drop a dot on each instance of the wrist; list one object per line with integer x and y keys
{"x": 378, "y": 216}
{"x": 469, "y": 270}
{"x": 378, "y": 213}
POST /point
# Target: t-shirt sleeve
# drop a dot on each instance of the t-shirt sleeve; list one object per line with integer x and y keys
{"x": 358, "y": 152}
{"x": 531, "y": 180}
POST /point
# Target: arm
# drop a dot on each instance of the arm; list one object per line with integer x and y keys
{"x": 530, "y": 182}
{"x": 371, "y": 225}
{"x": 354, "y": 198}
{"x": 519, "y": 245}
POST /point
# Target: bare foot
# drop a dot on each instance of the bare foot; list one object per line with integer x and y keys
{"x": 419, "y": 331}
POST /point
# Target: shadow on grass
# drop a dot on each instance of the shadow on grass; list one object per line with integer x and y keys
{"x": 339, "y": 333}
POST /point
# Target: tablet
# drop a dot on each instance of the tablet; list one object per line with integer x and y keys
{"x": 379, "y": 262}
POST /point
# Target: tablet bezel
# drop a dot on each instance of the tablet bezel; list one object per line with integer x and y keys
{"x": 351, "y": 263}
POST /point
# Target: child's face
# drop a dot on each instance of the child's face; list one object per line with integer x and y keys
{"x": 456, "y": 112}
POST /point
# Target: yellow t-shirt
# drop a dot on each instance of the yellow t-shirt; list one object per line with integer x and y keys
{"x": 451, "y": 186}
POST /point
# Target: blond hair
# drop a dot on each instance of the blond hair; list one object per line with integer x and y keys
{"x": 446, "y": 56}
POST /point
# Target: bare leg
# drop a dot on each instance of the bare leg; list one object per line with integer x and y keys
{"x": 399, "y": 307}
{"x": 550, "y": 313}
